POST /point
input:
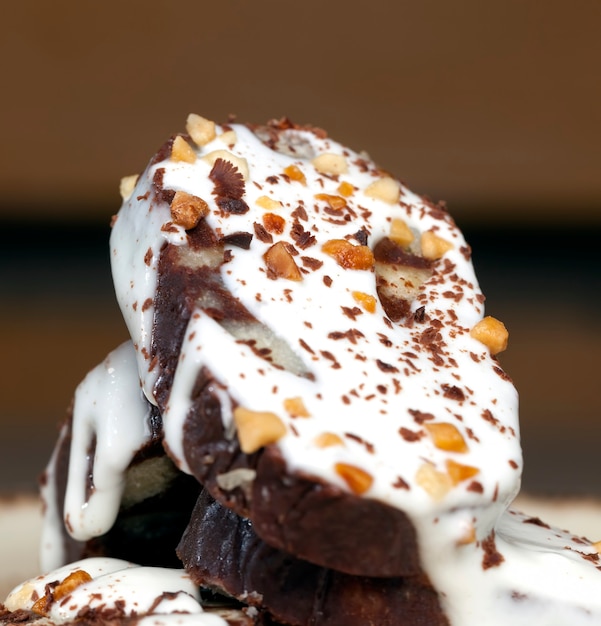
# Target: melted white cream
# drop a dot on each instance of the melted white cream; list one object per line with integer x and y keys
{"x": 110, "y": 424}
{"x": 163, "y": 596}
{"x": 352, "y": 392}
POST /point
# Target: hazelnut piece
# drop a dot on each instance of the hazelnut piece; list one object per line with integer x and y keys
{"x": 366, "y": 301}
{"x": 200, "y": 129}
{"x": 400, "y": 233}
{"x": 294, "y": 173}
{"x": 433, "y": 246}
{"x": 327, "y": 440}
{"x": 257, "y": 429}
{"x": 182, "y": 151}
{"x": 436, "y": 484}
{"x": 358, "y": 480}
{"x": 492, "y": 333}
{"x": 280, "y": 263}
{"x": 458, "y": 472}
{"x": 295, "y": 407}
{"x": 446, "y": 436}
{"x": 187, "y": 210}
{"x": 265, "y": 202}
{"x": 386, "y": 189}
{"x": 335, "y": 202}
{"x": 328, "y": 163}
{"x": 126, "y": 186}
{"x": 349, "y": 256}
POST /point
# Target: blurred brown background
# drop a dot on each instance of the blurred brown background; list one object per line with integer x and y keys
{"x": 493, "y": 106}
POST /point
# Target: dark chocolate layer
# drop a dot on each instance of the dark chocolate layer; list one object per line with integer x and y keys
{"x": 221, "y": 550}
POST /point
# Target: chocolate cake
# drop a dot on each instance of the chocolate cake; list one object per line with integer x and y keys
{"x": 310, "y": 417}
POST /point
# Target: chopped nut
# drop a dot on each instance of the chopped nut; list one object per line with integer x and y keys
{"x": 328, "y": 163}
{"x": 257, "y": 429}
{"x": 200, "y": 129}
{"x": 386, "y": 189}
{"x": 436, "y": 484}
{"x": 42, "y": 605}
{"x": 366, "y": 301}
{"x": 280, "y": 263}
{"x": 468, "y": 537}
{"x": 187, "y": 210}
{"x": 336, "y": 202}
{"x": 294, "y": 173}
{"x": 597, "y": 546}
{"x": 446, "y": 436}
{"x": 295, "y": 407}
{"x": 236, "y": 161}
{"x": 327, "y": 440}
{"x": 346, "y": 189}
{"x": 433, "y": 246}
{"x": 126, "y": 186}
{"x": 265, "y": 202}
{"x": 241, "y": 477}
{"x": 400, "y": 233}
{"x": 359, "y": 481}
{"x": 458, "y": 472}
{"x": 229, "y": 137}
{"x": 274, "y": 223}
{"x": 182, "y": 151}
{"x": 349, "y": 256}
{"x": 71, "y": 582}
{"x": 492, "y": 333}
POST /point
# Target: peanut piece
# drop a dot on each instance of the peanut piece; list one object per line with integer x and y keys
{"x": 446, "y": 436}
{"x": 492, "y": 333}
{"x": 327, "y": 440}
{"x": 295, "y": 407}
{"x": 187, "y": 210}
{"x": 294, "y": 173}
{"x": 200, "y": 129}
{"x": 280, "y": 263}
{"x": 359, "y": 481}
{"x": 597, "y": 546}
{"x": 386, "y": 189}
{"x": 236, "y": 161}
{"x": 401, "y": 233}
{"x": 328, "y": 163}
{"x": 458, "y": 473}
{"x": 434, "y": 483}
{"x": 127, "y": 185}
{"x": 366, "y": 301}
{"x": 349, "y": 256}
{"x": 433, "y": 246}
{"x": 182, "y": 151}
{"x": 257, "y": 429}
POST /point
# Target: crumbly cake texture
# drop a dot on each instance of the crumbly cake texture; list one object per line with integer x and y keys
{"x": 309, "y": 352}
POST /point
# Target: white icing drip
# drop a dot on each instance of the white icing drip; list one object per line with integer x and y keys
{"x": 374, "y": 408}
{"x": 162, "y": 594}
{"x": 110, "y": 415}
{"x": 52, "y": 552}
{"x": 547, "y": 577}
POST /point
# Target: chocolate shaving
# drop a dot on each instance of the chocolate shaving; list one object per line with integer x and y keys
{"x": 227, "y": 179}
{"x": 239, "y": 239}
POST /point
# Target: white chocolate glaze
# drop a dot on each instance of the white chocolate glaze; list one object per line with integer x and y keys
{"x": 161, "y": 596}
{"x": 370, "y": 382}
